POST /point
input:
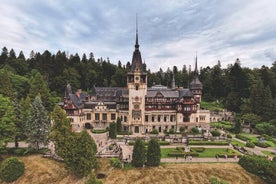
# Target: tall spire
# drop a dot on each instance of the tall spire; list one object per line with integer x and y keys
{"x": 136, "y": 43}
{"x": 196, "y": 70}
{"x": 137, "y": 64}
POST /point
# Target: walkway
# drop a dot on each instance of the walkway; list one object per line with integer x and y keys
{"x": 257, "y": 150}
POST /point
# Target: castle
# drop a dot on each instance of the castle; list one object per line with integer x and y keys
{"x": 141, "y": 109}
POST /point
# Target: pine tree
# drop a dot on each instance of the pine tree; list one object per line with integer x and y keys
{"x": 38, "y": 127}
{"x": 153, "y": 153}
{"x": 113, "y": 130}
{"x": 7, "y": 118}
{"x": 119, "y": 124}
{"x": 38, "y": 86}
{"x": 6, "y": 85}
{"x": 138, "y": 155}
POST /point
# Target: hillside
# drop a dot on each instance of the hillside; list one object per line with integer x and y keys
{"x": 43, "y": 171}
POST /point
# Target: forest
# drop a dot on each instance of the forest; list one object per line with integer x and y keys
{"x": 248, "y": 92}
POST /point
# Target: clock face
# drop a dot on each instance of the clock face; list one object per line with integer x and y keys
{"x": 137, "y": 78}
{"x": 136, "y": 106}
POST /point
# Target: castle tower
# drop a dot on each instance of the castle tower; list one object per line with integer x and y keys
{"x": 196, "y": 86}
{"x": 137, "y": 87}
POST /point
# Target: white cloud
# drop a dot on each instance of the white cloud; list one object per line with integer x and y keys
{"x": 170, "y": 32}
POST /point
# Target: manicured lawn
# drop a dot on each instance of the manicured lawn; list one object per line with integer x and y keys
{"x": 255, "y": 139}
{"x": 207, "y": 153}
{"x": 224, "y": 124}
{"x": 250, "y": 136}
{"x": 212, "y": 152}
{"x": 165, "y": 151}
{"x": 268, "y": 153}
{"x": 235, "y": 142}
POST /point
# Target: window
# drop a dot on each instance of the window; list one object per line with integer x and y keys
{"x": 152, "y": 118}
{"x": 165, "y": 118}
{"x": 159, "y": 118}
{"x": 125, "y": 119}
{"x": 113, "y": 116}
{"x": 201, "y": 118}
{"x": 104, "y": 116}
{"x": 186, "y": 119}
{"x": 136, "y": 87}
{"x": 172, "y": 118}
{"x": 97, "y": 116}
{"x": 88, "y": 116}
{"x": 146, "y": 118}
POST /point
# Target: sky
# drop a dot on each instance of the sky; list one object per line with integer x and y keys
{"x": 171, "y": 32}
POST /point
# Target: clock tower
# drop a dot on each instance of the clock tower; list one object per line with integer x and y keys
{"x": 137, "y": 88}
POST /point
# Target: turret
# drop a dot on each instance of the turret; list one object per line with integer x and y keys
{"x": 196, "y": 86}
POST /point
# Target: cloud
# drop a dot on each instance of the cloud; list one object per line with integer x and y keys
{"x": 170, "y": 32}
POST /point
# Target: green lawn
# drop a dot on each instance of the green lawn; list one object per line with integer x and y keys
{"x": 212, "y": 152}
{"x": 255, "y": 139}
{"x": 250, "y": 136}
{"x": 207, "y": 153}
{"x": 165, "y": 151}
{"x": 235, "y": 142}
{"x": 225, "y": 125}
{"x": 268, "y": 153}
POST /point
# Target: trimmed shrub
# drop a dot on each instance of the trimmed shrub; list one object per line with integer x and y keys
{"x": 11, "y": 169}
{"x": 115, "y": 162}
{"x": 124, "y": 133}
{"x": 198, "y": 149}
{"x": 100, "y": 131}
{"x": 215, "y": 133}
{"x": 161, "y": 143}
{"x": 171, "y": 131}
{"x": 154, "y": 131}
{"x": 229, "y": 136}
{"x": 239, "y": 136}
{"x": 195, "y": 130}
{"x": 250, "y": 145}
{"x": 208, "y": 143}
{"x": 262, "y": 144}
{"x": 182, "y": 129}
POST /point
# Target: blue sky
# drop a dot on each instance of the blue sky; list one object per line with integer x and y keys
{"x": 171, "y": 32}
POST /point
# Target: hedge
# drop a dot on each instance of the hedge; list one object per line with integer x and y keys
{"x": 182, "y": 154}
{"x": 124, "y": 133}
{"x": 161, "y": 143}
{"x": 244, "y": 138}
{"x": 208, "y": 143}
{"x": 11, "y": 169}
{"x": 22, "y": 151}
{"x": 198, "y": 149}
{"x": 99, "y": 131}
{"x": 261, "y": 144}
{"x": 250, "y": 145}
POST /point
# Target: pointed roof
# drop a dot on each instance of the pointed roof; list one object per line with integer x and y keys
{"x": 196, "y": 84}
{"x": 137, "y": 65}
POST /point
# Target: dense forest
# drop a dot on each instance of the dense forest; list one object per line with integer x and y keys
{"x": 239, "y": 89}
